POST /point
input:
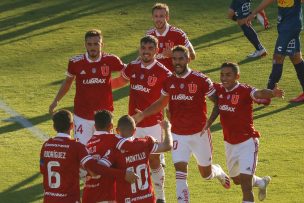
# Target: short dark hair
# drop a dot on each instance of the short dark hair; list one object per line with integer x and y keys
{"x": 161, "y": 6}
{"x": 126, "y": 122}
{"x": 93, "y": 33}
{"x": 103, "y": 119}
{"x": 234, "y": 66}
{"x": 62, "y": 120}
{"x": 149, "y": 39}
{"x": 181, "y": 48}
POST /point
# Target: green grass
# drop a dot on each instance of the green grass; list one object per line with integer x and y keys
{"x": 37, "y": 37}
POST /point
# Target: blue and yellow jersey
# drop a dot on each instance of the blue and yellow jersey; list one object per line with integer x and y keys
{"x": 290, "y": 14}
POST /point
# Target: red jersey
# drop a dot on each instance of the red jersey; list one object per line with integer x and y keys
{"x": 93, "y": 83}
{"x": 187, "y": 101}
{"x": 60, "y": 159}
{"x": 236, "y": 112}
{"x": 142, "y": 190}
{"x": 171, "y": 37}
{"x": 100, "y": 146}
{"x": 145, "y": 86}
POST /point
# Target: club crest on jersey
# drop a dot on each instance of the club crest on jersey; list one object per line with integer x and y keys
{"x": 94, "y": 70}
{"x": 152, "y": 80}
{"x": 182, "y": 86}
{"x": 105, "y": 70}
{"x": 192, "y": 88}
{"x": 169, "y": 44}
{"x": 235, "y": 99}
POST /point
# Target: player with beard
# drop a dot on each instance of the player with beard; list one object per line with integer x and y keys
{"x": 92, "y": 72}
{"x": 186, "y": 92}
{"x": 168, "y": 36}
{"x": 146, "y": 77}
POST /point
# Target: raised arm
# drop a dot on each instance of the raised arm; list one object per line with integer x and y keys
{"x": 192, "y": 52}
{"x": 66, "y": 85}
{"x": 154, "y": 108}
{"x": 167, "y": 144}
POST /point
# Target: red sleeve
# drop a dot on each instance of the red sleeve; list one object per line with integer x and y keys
{"x": 208, "y": 87}
{"x": 183, "y": 39}
{"x": 127, "y": 72}
{"x": 71, "y": 69}
{"x": 41, "y": 160}
{"x": 165, "y": 89}
{"x": 116, "y": 64}
{"x": 99, "y": 169}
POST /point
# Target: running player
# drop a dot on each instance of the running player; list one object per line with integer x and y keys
{"x": 235, "y": 107}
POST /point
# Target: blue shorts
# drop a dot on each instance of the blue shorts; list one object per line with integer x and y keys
{"x": 241, "y": 8}
{"x": 288, "y": 42}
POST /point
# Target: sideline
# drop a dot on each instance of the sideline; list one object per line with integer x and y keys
{"x": 24, "y": 122}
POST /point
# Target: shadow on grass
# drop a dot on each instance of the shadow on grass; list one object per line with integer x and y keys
{"x": 218, "y": 126}
{"x": 50, "y": 15}
{"x": 26, "y": 194}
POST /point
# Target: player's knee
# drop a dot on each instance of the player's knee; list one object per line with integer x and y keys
{"x": 278, "y": 59}
{"x": 206, "y": 172}
{"x": 236, "y": 181}
{"x": 296, "y": 59}
{"x": 181, "y": 166}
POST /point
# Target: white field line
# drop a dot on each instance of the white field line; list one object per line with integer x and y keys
{"x": 24, "y": 122}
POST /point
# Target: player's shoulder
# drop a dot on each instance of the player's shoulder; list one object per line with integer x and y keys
{"x": 108, "y": 56}
{"x": 162, "y": 66}
{"x": 176, "y": 30}
{"x": 77, "y": 58}
{"x": 198, "y": 74}
{"x": 135, "y": 62}
{"x": 245, "y": 86}
{"x": 151, "y": 31}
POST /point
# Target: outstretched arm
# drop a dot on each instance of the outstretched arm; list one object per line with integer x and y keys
{"x": 154, "y": 108}
{"x": 66, "y": 85}
{"x": 118, "y": 82}
{"x": 268, "y": 94}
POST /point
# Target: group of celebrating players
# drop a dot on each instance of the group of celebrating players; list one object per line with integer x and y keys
{"x": 117, "y": 166}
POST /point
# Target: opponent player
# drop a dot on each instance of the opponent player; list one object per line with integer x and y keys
{"x": 235, "y": 103}
{"x": 146, "y": 78}
{"x": 238, "y": 11}
{"x": 60, "y": 159}
{"x": 92, "y": 72}
{"x": 186, "y": 92}
{"x": 102, "y": 143}
{"x": 288, "y": 41}
{"x": 142, "y": 190}
{"x": 168, "y": 36}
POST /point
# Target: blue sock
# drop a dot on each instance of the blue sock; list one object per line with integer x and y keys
{"x": 252, "y": 36}
{"x": 300, "y": 72}
{"x": 275, "y": 75}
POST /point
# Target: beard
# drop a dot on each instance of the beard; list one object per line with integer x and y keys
{"x": 180, "y": 70}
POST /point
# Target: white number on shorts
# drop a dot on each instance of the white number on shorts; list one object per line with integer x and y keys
{"x": 139, "y": 182}
{"x": 175, "y": 144}
{"x": 54, "y": 174}
{"x": 79, "y": 129}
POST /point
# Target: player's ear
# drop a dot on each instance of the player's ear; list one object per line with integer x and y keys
{"x": 117, "y": 131}
{"x": 167, "y": 17}
{"x": 110, "y": 126}
{"x": 237, "y": 76}
{"x": 71, "y": 126}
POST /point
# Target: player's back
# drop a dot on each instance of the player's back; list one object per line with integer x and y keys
{"x": 60, "y": 168}
{"x": 142, "y": 190}
{"x": 100, "y": 188}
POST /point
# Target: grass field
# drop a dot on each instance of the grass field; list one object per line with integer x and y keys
{"x": 37, "y": 37}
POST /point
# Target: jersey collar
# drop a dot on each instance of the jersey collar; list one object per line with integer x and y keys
{"x": 63, "y": 135}
{"x": 148, "y": 66}
{"x": 236, "y": 86}
{"x": 100, "y": 132}
{"x": 186, "y": 75}
{"x": 90, "y": 61}
{"x": 164, "y": 33}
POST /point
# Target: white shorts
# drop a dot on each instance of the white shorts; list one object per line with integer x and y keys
{"x": 200, "y": 146}
{"x": 83, "y": 129}
{"x": 154, "y": 131}
{"x": 242, "y": 157}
